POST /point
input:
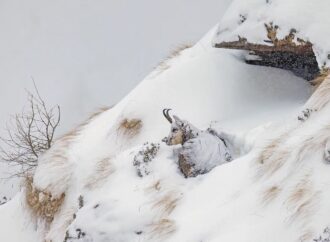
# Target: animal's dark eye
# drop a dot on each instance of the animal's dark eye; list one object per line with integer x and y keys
{"x": 174, "y": 130}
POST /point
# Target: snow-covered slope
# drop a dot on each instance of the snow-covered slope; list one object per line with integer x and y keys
{"x": 309, "y": 19}
{"x": 276, "y": 192}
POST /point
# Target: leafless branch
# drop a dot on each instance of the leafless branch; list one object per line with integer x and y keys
{"x": 30, "y": 134}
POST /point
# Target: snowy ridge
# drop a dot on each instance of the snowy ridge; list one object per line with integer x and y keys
{"x": 277, "y": 191}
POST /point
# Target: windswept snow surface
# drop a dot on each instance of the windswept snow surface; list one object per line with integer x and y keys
{"x": 309, "y": 18}
{"x": 202, "y": 85}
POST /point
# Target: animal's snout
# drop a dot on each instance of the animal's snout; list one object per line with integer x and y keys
{"x": 165, "y": 140}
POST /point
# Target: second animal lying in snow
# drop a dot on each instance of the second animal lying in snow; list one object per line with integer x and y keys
{"x": 202, "y": 150}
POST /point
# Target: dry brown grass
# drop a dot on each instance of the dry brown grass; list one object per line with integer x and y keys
{"x": 162, "y": 228}
{"x": 273, "y": 156}
{"x": 325, "y": 72}
{"x": 167, "y": 203}
{"x": 302, "y": 200}
{"x": 321, "y": 96}
{"x": 288, "y": 40}
{"x": 304, "y": 210}
{"x": 102, "y": 172}
{"x": 71, "y": 135}
{"x": 156, "y": 186}
{"x": 130, "y": 127}
{"x": 306, "y": 236}
{"x": 300, "y": 191}
{"x": 314, "y": 142}
{"x": 42, "y": 204}
{"x": 164, "y": 65}
{"x": 270, "y": 194}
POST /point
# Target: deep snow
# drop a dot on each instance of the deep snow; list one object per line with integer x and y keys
{"x": 276, "y": 192}
{"x": 309, "y": 18}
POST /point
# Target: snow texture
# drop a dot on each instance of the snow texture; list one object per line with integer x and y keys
{"x": 310, "y": 19}
{"x": 276, "y": 189}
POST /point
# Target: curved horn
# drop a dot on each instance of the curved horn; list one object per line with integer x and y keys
{"x": 166, "y": 115}
{"x": 169, "y": 116}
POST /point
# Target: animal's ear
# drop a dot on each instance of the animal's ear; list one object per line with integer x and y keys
{"x": 178, "y": 121}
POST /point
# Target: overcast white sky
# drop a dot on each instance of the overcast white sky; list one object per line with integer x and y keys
{"x": 85, "y": 54}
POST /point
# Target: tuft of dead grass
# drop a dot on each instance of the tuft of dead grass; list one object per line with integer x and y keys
{"x": 288, "y": 40}
{"x": 164, "y": 65}
{"x": 302, "y": 200}
{"x": 162, "y": 228}
{"x": 325, "y": 72}
{"x": 270, "y": 194}
{"x": 155, "y": 187}
{"x": 306, "y": 236}
{"x": 69, "y": 136}
{"x": 300, "y": 191}
{"x": 273, "y": 159}
{"x": 167, "y": 203}
{"x": 103, "y": 170}
{"x": 321, "y": 96}
{"x": 130, "y": 127}
{"x": 273, "y": 156}
{"x": 42, "y": 204}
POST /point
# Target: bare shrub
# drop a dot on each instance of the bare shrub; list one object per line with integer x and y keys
{"x": 144, "y": 157}
{"x": 30, "y": 134}
{"x": 325, "y": 237}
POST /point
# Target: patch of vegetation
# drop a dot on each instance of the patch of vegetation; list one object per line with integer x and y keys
{"x": 130, "y": 127}
{"x": 143, "y": 158}
{"x": 79, "y": 234}
{"x": 325, "y": 237}
{"x": 30, "y": 134}
{"x": 42, "y": 203}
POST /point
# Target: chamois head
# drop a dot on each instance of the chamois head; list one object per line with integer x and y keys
{"x": 176, "y": 135}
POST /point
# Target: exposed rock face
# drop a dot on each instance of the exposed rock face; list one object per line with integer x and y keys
{"x": 287, "y": 53}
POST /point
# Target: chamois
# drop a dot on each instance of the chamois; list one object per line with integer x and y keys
{"x": 201, "y": 150}
{"x": 181, "y": 130}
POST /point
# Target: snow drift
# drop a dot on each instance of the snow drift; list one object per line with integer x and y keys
{"x": 275, "y": 192}
{"x": 310, "y": 21}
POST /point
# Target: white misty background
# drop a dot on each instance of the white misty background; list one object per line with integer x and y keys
{"x": 85, "y": 54}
